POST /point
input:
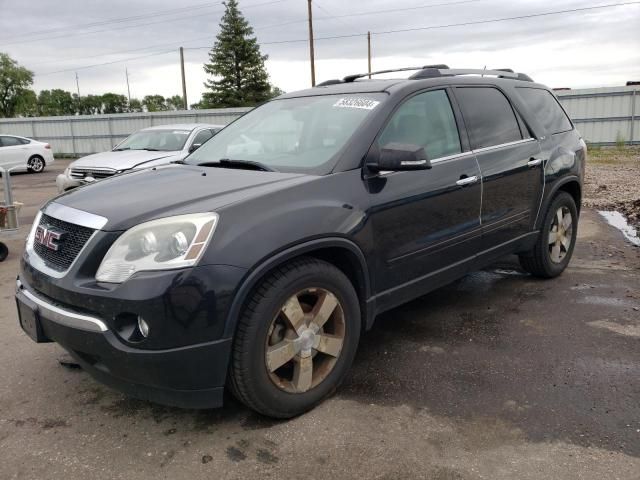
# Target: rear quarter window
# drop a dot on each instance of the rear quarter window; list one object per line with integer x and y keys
{"x": 546, "y": 108}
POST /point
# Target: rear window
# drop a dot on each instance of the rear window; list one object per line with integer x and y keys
{"x": 10, "y": 141}
{"x": 546, "y": 109}
{"x": 488, "y": 115}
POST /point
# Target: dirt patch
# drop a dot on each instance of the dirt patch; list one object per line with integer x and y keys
{"x": 611, "y": 181}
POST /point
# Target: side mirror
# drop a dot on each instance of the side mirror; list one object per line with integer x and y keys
{"x": 194, "y": 147}
{"x": 399, "y": 157}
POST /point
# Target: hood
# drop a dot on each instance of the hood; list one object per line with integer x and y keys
{"x": 142, "y": 195}
{"x": 123, "y": 160}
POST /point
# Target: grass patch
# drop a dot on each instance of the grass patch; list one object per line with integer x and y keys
{"x": 614, "y": 155}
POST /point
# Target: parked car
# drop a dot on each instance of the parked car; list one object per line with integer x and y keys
{"x": 21, "y": 153}
{"x": 261, "y": 272}
{"x": 146, "y": 148}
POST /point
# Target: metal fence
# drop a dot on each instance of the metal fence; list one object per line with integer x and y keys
{"x": 605, "y": 116}
{"x": 85, "y": 134}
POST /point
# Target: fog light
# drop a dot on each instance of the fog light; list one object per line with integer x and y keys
{"x": 143, "y": 327}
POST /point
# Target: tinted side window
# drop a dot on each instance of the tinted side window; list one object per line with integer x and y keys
{"x": 546, "y": 108}
{"x": 426, "y": 120}
{"x": 488, "y": 116}
{"x": 10, "y": 141}
{"x": 201, "y": 137}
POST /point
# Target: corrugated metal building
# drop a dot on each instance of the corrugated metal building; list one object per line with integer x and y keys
{"x": 605, "y": 116}
{"x": 81, "y": 135}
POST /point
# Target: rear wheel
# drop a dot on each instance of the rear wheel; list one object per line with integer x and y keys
{"x": 554, "y": 247}
{"x": 4, "y": 251}
{"x": 35, "y": 164}
{"x": 296, "y": 339}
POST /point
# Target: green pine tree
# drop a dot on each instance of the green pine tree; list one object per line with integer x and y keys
{"x": 237, "y": 65}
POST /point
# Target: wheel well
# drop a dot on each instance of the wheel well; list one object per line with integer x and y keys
{"x": 344, "y": 260}
{"x": 347, "y": 262}
{"x": 573, "y": 189}
{"x": 36, "y": 155}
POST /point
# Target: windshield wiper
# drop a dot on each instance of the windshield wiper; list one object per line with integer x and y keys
{"x": 121, "y": 149}
{"x": 150, "y": 149}
{"x": 241, "y": 164}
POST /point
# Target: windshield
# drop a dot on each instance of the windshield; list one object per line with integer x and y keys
{"x": 164, "y": 140}
{"x": 293, "y": 134}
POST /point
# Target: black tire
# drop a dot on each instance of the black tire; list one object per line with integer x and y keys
{"x": 539, "y": 261}
{"x": 249, "y": 376}
{"x": 36, "y": 164}
{"x": 4, "y": 252}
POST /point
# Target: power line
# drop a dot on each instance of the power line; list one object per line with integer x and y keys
{"x": 121, "y": 51}
{"x": 105, "y": 63}
{"x": 386, "y": 32}
{"x": 119, "y": 20}
{"x": 372, "y": 12}
{"x": 451, "y": 25}
{"x": 256, "y": 28}
{"x": 403, "y": 9}
{"x": 68, "y": 34}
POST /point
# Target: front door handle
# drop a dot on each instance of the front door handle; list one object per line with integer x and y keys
{"x": 534, "y": 162}
{"x": 467, "y": 181}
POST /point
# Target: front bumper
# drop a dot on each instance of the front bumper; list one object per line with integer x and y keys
{"x": 65, "y": 183}
{"x": 187, "y": 377}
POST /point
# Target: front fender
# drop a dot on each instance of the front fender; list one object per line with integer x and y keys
{"x": 253, "y": 277}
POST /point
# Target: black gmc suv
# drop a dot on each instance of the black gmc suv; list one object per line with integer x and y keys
{"x": 258, "y": 262}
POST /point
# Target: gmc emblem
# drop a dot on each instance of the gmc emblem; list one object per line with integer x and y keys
{"x": 48, "y": 237}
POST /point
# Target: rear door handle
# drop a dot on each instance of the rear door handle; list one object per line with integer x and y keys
{"x": 534, "y": 162}
{"x": 467, "y": 181}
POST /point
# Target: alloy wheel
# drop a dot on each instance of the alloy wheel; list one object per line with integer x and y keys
{"x": 36, "y": 164}
{"x": 560, "y": 235}
{"x": 305, "y": 340}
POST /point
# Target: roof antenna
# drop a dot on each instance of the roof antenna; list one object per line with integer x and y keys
{"x": 485, "y": 67}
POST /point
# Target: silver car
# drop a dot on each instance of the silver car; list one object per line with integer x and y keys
{"x": 146, "y": 148}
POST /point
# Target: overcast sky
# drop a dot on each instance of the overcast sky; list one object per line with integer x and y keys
{"x": 580, "y": 49}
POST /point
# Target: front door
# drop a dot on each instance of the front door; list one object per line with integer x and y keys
{"x": 510, "y": 162}
{"x": 426, "y": 222}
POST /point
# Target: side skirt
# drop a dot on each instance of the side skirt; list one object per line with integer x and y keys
{"x": 424, "y": 284}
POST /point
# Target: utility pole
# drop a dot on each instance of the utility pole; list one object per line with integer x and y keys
{"x": 126, "y": 73}
{"x": 311, "y": 54}
{"x": 184, "y": 83}
{"x": 369, "y": 52}
{"x": 77, "y": 84}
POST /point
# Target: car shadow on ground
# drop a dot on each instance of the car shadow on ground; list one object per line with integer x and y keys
{"x": 485, "y": 348}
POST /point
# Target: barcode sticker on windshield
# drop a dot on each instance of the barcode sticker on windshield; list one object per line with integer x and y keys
{"x": 364, "y": 103}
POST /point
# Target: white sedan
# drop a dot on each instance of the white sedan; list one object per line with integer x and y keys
{"x": 20, "y": 153}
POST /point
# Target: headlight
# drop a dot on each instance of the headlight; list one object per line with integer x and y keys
{"x": 172, "y": 242}
{"x": 67, "y": 172}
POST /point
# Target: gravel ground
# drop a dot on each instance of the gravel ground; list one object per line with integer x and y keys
{"x": 611, "y": 181}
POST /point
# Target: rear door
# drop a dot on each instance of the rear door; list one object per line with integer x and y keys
{"x": 510, "y": 163}
{"x": 426, "y": 222}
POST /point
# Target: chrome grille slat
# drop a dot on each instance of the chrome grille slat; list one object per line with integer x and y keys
{"x": 97, "y": 173}
{"x": 76, "y": 236}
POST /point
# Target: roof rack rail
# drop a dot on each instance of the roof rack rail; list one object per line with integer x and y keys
{"x": 433, "y": 71}
{"x": 351, "y": 78}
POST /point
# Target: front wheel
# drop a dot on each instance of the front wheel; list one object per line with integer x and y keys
{"x": 35, "y": 164}
{"x": 554, "y": 247}
{"x": 296, "y": 339}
